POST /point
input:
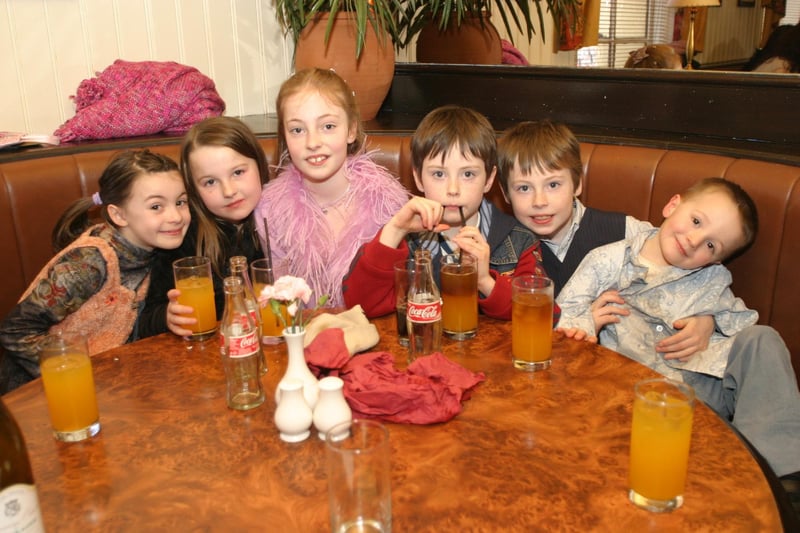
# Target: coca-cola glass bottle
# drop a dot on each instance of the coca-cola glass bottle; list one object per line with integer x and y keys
{"x": 240, "y": 348}
{"x": 423, "y": 311}
{"x": 239, "y": 268}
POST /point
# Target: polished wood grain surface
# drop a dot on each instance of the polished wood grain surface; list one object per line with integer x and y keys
{"x": 543, "y": 451}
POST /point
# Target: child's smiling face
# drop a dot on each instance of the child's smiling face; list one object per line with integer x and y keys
{"x": 699, "y": 231}
{"x": 317, "y": 135}
{"x": 543, "y": 200}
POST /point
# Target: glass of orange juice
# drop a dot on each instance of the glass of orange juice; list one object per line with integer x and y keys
{"x": 263, "y": 273}
{"x": 193, "y": 279}
{"x": 661, "y": 431}
{"x": 531, "y": 322}
{"x": 69, "y": 387}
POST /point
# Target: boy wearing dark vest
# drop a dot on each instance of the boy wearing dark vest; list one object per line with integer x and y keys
{"x": 540, "y": 171}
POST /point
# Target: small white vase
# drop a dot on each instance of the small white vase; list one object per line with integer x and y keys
{"x": 296, "y": 367}
{"x": 293, "y": 416}
{"x": 332, "y": 408}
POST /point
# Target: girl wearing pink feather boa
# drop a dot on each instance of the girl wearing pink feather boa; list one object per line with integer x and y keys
{"x": 329, "y": 197}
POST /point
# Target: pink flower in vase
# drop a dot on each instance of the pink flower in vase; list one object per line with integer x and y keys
{"x": 292, "y": 292}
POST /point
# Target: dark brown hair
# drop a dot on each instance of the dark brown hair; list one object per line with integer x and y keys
{"x": 115, "y": 183}
{"x": 226, "y": 132}
{"x": 541, "y": 145}
{"x": 330, "y": 86}
{"x": 452, "y": 125}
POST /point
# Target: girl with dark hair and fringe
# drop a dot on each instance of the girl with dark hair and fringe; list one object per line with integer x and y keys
{"x": 96, "y": 284}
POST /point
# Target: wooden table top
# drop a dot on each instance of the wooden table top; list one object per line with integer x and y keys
{"x": 541, "y": 451}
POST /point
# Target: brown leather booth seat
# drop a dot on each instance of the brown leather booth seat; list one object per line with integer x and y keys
{"x": 38, "y": 186}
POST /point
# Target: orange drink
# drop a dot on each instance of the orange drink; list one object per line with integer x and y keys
{"x": 531, "y": 322}
{"x": 263, "y": 273}
{"x": 69, "y": 387}
{"x": 660, "y": 436}
{"x": 271, "y": 324}
{"x": 198, "y": 293}
{"x": 193, "y": 279}
{"x": 459, "y": 284}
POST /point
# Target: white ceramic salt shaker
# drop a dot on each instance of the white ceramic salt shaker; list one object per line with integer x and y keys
{"x": 293, "y": 416}
{"x": 332, "y": 408}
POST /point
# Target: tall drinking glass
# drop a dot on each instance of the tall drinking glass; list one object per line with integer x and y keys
{"x": 531, "y": 322}
{"x": 69, "y": 387}
{"x": 459, "y": 283}
{"x": 403, "y": 274}
{"x": 359, "y": 477}
{"x": 661, "y": 432}
{"x": 193, "y": 279}
{"x": 263, "y": 273}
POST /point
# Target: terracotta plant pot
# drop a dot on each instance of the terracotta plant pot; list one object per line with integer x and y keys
{"x": 471, "y": 43}
{"x": 370, "y": 76}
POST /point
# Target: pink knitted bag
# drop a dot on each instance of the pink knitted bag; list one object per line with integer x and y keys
{"x": 141, "y": 98}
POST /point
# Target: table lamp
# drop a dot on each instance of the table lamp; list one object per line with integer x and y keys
{"x": 692, "y": 5}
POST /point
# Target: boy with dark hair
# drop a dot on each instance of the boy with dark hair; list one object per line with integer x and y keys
{"x": 540, "y": 171}
{"x": 454, "y": 164}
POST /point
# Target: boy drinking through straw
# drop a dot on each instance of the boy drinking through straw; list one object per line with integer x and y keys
{"x": 454, "y": 164}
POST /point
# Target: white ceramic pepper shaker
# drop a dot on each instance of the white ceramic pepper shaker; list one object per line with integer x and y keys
{"x": 332, "y": 408}
{"x": 293, "y": 416}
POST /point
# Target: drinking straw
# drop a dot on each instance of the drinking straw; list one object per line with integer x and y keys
{"x": 463, "y": 223}
{"x": 268, "y": 250}
{"x": 427, "y": 239}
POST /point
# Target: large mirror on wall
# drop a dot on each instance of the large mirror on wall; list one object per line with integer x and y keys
{"x": 720, "y": 35}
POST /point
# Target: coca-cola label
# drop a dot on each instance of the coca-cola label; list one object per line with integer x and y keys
{"x": 242, "y": 346}
{"x": 424, "y": 313}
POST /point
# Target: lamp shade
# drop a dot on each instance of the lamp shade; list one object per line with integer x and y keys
{"x": 692, "y": 3}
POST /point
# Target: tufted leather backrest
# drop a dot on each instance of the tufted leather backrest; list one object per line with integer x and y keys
{"x": 635, "y": 180}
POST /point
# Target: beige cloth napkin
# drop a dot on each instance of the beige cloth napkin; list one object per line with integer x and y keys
{"x": 359, "y": 334}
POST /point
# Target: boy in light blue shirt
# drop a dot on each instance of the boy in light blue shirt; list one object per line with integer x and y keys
{"x": 745, "y": 374}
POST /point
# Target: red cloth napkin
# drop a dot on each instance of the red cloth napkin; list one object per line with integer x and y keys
{"x": 430, "y": 390}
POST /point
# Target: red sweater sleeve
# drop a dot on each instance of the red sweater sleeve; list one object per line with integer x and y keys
{"x": 498, "y": 303}
{"x": 370, "y": 281}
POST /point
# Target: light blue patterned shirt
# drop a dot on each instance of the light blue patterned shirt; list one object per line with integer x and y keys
{"x": 656, "y": 298}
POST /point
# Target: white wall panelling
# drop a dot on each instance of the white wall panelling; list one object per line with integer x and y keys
{"x": 50, "y": 46}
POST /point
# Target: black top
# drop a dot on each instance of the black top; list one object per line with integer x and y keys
{"x": 153, "y": 319}
{"x": 597, "y": 228}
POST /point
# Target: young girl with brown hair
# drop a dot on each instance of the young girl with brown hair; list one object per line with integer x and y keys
{"x": 224, "y": 168}
{"x": 95, "y": 285}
